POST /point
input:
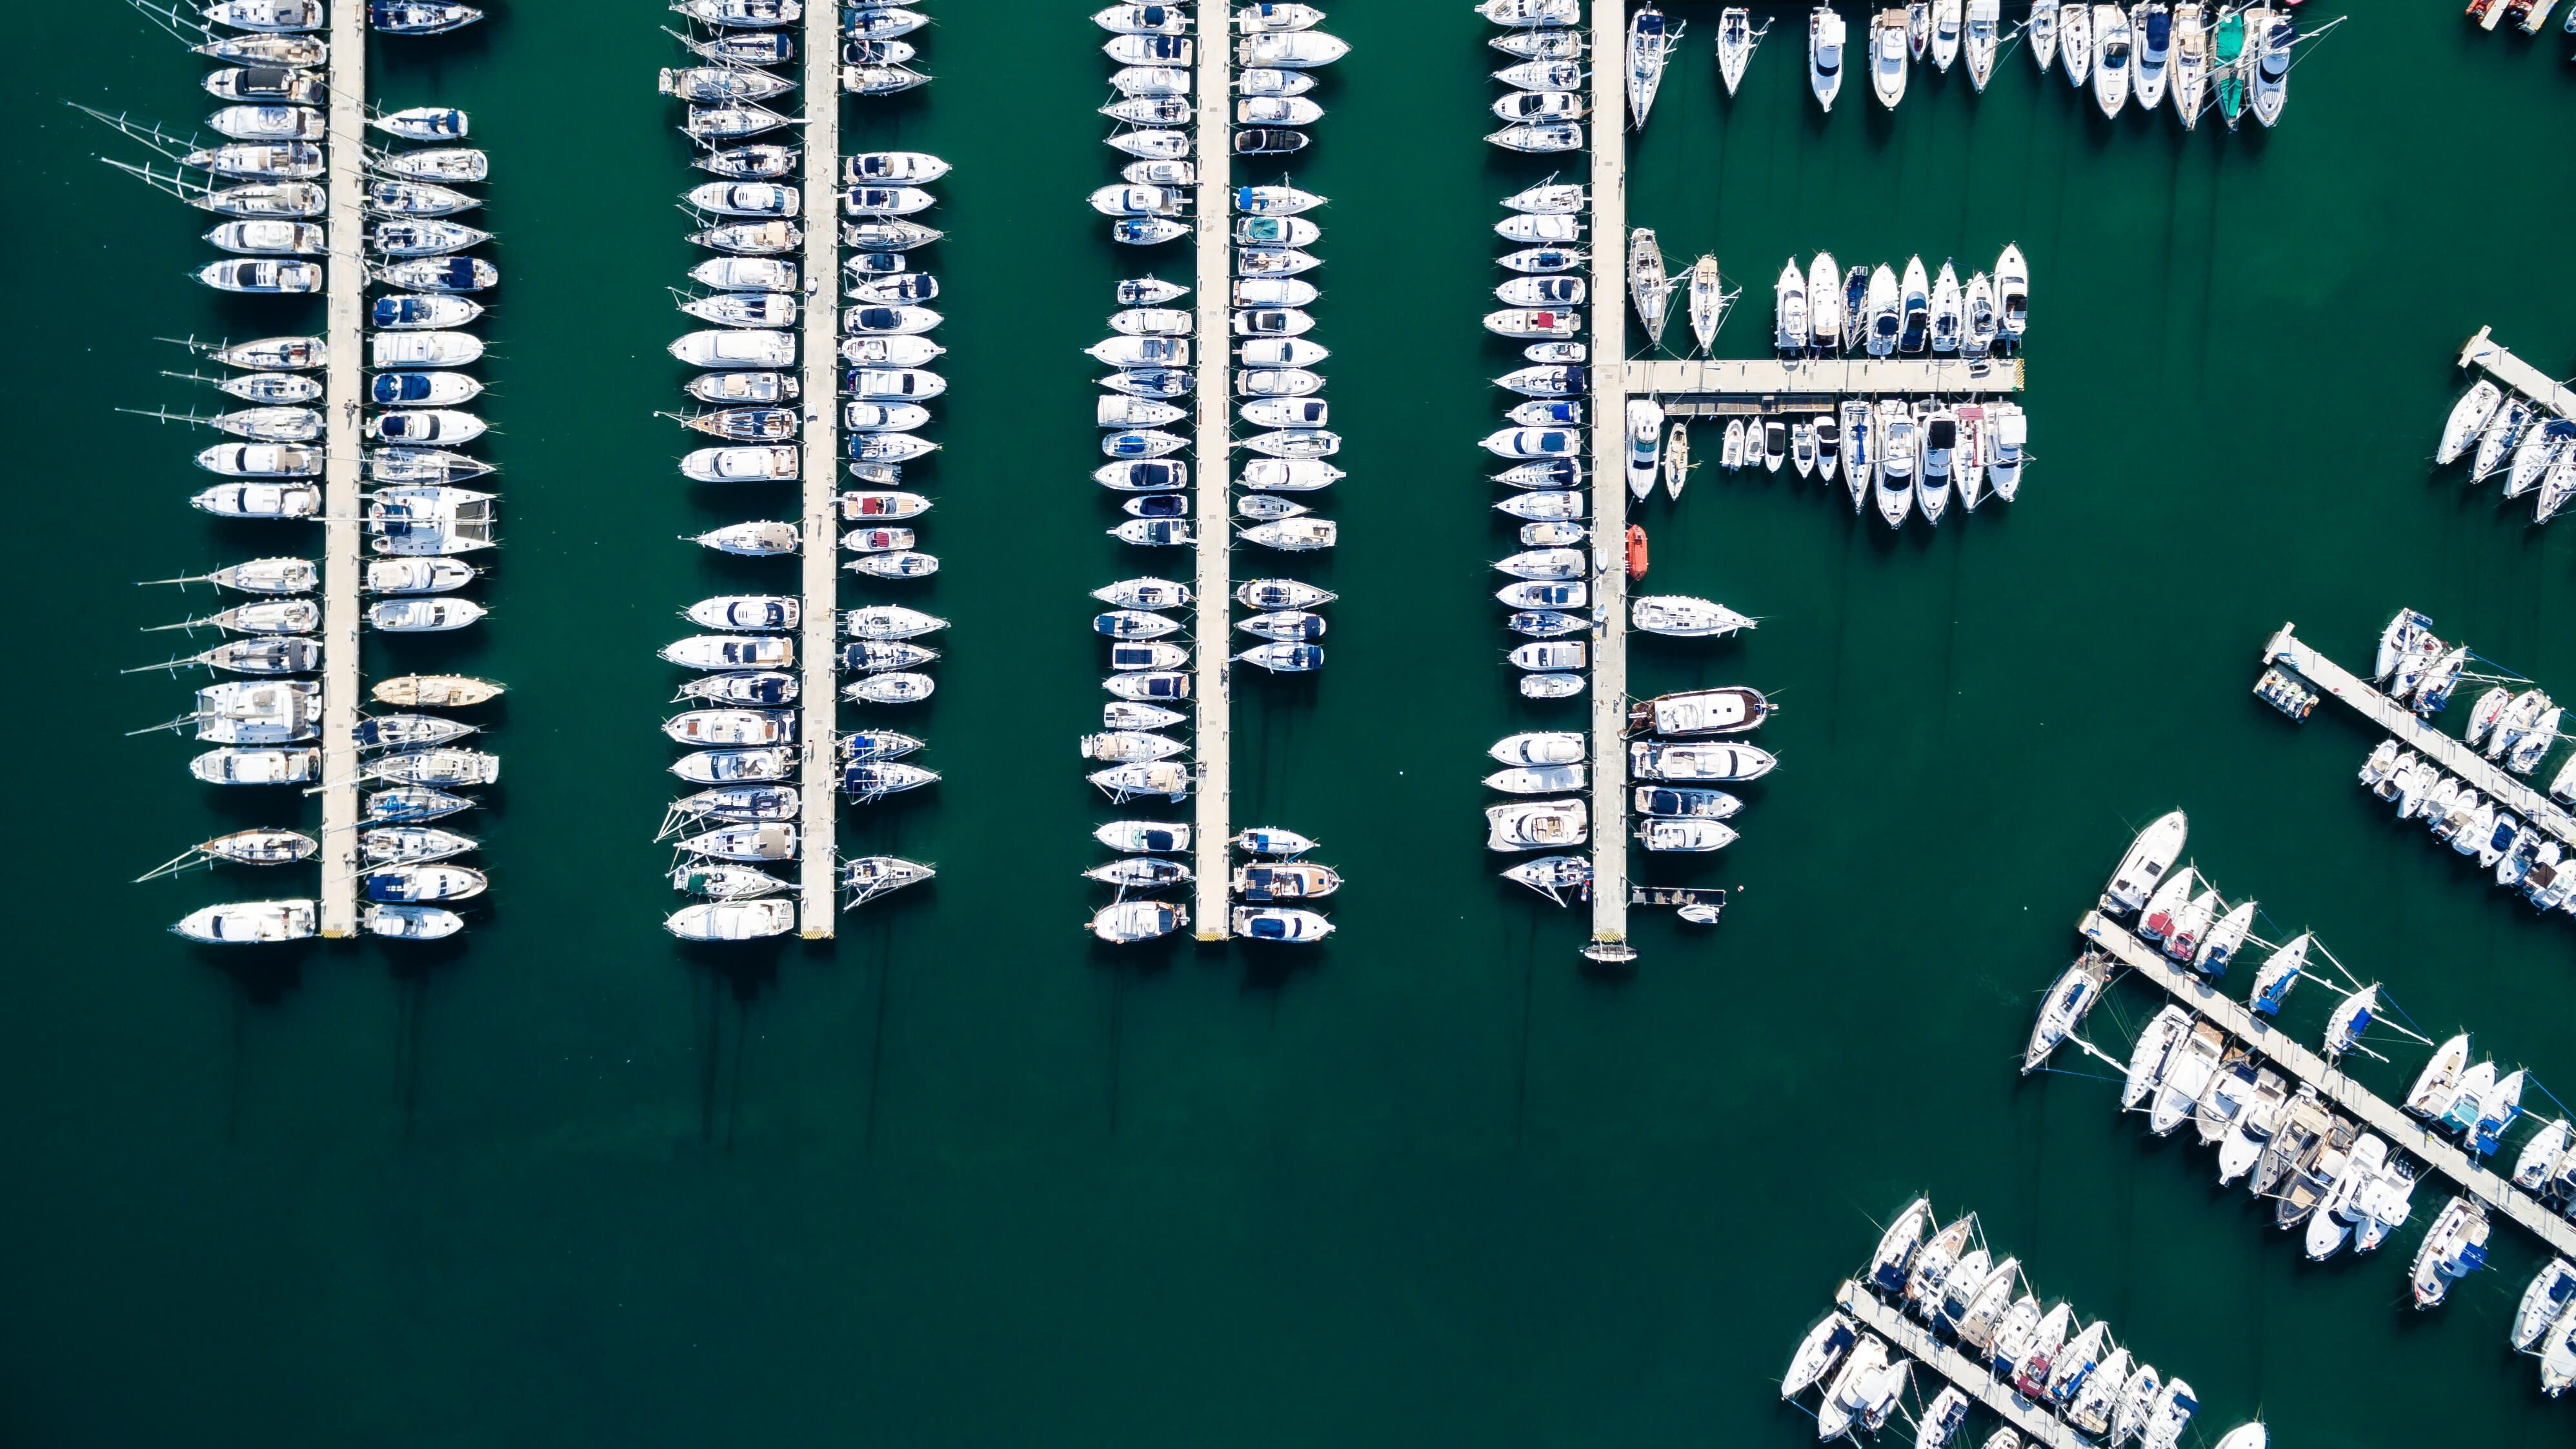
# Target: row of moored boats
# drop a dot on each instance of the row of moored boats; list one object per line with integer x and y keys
{"x": 1146, "y": 411}
{"x": 2498, "y": 430}
{"x": 738, "y": 836}
{"x": 266, "y": 723}
{"x": 1947, "y": 1280}
{"x": 2233, "y": 59}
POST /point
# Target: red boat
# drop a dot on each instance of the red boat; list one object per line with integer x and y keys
{"x": 1636, "y": 552}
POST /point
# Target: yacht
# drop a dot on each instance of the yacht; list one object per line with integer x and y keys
{"x": 1651, "y": 40}
{"x": 1283, "y": 925}
{"x": 2550, "y": 1297}
{"x": 2151, "y": 51}
{"x": 2191, "y": 59}
{"x": 1883, "y": 309}
{"x": 1853, "y": 1389}
{"x": 2112, "y": 47}
{"x": 1683, "y": 762}
{"x": 2075, "y": 41}
{"x": 1887, "y": 57}
{"x": 2042, "y": 28}
{"x": 2271, "y": 46}
{"x": 2452, "y": 1249}
{"x": 1826, "y": 33}
{"x": 735, "y": 920}
{"x": 1536, "y": 825}
{"x": 1701, "y": 712}
{"x": 254, "y": 923}
{"x": 1817, "y": 1353}
{"x": 2256, "y": 1117}
{"x": 2065, "y": 1006}
{"x": 1979, "y": 40}
{"x": 1898, "y": 463}
{"x": 1680, "y": 616}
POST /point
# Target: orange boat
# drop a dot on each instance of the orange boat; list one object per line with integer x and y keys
{"x": 1636, "y": 552}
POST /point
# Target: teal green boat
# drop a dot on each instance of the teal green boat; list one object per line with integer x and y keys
{"x": 2228, "y": 65}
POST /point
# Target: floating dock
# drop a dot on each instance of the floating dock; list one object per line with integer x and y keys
{"x": 1973, "y": 1378}
{"x": 819, "y": 650}
{"x": 1213, "y": 444}
{"x": 2348, "y": 1096}
{"x": 2451, "y": 754}
{"x": 1761, "y": 386}
{"x": 343, "y": 386}
{"x": 2482, "y": 351}
{"x": 1610, "y": 378}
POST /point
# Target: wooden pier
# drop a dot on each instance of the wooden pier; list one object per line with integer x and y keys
{"x": 1761, "y": 386}
{"x": 2454, "y": 755}
{"x": 1610, "y": 369}
{"x": 1213, "y": 445}
{"x": 343, "y": 387}
{"x": 1975, "y": 1379}
{"x": 820, "y": 471}
{"x": 2348, "y": 1096}
{"x": 2482, "y": 351}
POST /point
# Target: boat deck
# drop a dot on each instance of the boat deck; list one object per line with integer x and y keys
{"x": 2482, "y": 351}
{"x": 820, "y": 558}
{"x": 1760, "y": 386}
{"x": 1610, "y": 378}
{"x": 2451, "y": 754}
{"x": 1973, "y": 1378}
{"x": 1213, "y": 445}
{"x": 343, "y": 547}
{"x": 2415, "y": 1137}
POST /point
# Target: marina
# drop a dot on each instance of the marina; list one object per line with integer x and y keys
{"x": 2554, "y": 1230}
{"x": 2285, "y": 648}
{"x": 1431, "y": 1144}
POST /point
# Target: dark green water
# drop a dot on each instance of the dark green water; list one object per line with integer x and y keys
{"x": 959, "y": 1179}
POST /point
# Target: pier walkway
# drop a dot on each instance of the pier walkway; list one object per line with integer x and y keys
{"x": 2483, "y": 351}
{"x": 820, "y": 471}
{"x": 1212, "y": 586}
{"x": 1730, "y": 386}
{"x": 2451, "y": 754}
{"x": 1609, "y": 691}
{"x": 1974, "y": 1379}
{"x": 2348, "y": 1096}
{"x": 343, "y": 384}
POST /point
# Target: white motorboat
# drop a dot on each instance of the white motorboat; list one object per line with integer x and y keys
{"x": 2151, "y": 51}
{"x": 2148, "y": 858}
{"x": 1826, "y": 53}
{"x": 2270, "y": 36}
{"x": 1128, "y": 922}
{"x": 1678, "y": 762}
{"x": 1888, "y": 57}
{"x": 1283, "y": 925}
{"x": 2112, "y": 58}
{"x": 1791, "y": 331}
